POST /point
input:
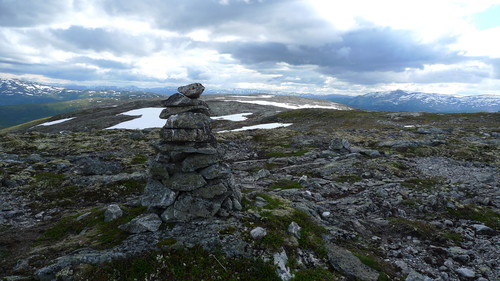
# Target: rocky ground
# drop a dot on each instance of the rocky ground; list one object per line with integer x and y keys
{"x": 339, "y": 195}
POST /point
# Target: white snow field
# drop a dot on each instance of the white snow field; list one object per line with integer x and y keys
{"x": 261, "y": 126}
{"x": 233, "y": 117}
{"x": 288, "y": 105}
{"x": 55, "y": 122}
{"x": 150, "y": 118}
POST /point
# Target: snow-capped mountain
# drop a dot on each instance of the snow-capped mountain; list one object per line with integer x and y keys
{"x": 14, "y": 91}
{"x": 417, "y": 101}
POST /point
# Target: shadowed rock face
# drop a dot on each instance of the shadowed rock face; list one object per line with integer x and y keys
{"x": 187, "y": 178}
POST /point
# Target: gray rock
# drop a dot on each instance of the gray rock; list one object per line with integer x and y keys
{"x": 198, "y": 161}
{"x": 216, "y": 171}
{"x": 188, "y": 120}
{"x": 280, "y": 261}
{"x": 482, "y": 229}
{"x": 112, "y": 212}
{"x": 185, "y": 182}
{"x": 348, "y": 264}
{"x": 415, "y": 276}
{"x": 465, "y": 272}
{"x": 294, "y": 229}
{"x": 179, "y": 100}
{"x": 187, "y": 135}
{"x": 159, "y": 170}
{"x": 192, "y": 91}
{"x": 97, "y": 166}
{"x": 209, "y": 192}
{"x": 143, "y": 223}
{"x": 262, "y": 173}
{"x": 258, "y": 233}
{"x": 187, "y": 207}
{"x": 340, "y": 145}
{"x": 169, "y": 111}
{"x": 158, "y": 195}
{"x": 404, "y": 143}
{"x": 186, "y": 147}
{"x": 237, "y": 205}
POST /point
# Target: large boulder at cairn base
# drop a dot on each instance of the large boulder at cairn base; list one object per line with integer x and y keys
{"x": 158, "y": 195}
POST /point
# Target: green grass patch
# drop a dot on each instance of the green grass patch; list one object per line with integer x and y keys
{"x": 139, "y": 159}
{"x": 477, "y": 213}
{"x": 349, "y": 178}
{"x": 424, "y": 230}
{"x": 228, "y": 230}
{"x": 277, "y": 227}
{"x": 182, "y": 264}
{"x": 103, "y": 234}
{"x": 315, "y": 274}
{"x": 285, "y": 184}
{"x": 272, "y": 202}
{"x": 287, "y": 154}
{"x": 166, "y": 242}
{"x": 419, "y": 183}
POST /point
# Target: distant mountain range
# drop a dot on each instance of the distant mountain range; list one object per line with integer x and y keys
{"x": 23, "y": 101}
{"x": 14, "y": 91}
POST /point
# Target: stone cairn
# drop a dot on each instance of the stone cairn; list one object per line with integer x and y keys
{"x": 187, "y": 179}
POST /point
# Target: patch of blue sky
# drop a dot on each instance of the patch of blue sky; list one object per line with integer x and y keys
{"x": 488, "y": 18}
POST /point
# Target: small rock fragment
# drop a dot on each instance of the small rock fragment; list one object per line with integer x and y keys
{"x": 112, "y": 212}
{"x": 294, "y": 229}
{"x": 258, "y": 233}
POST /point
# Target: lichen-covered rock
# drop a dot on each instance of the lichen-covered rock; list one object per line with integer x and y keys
{"x": 211, "y": 191}
{"x": 167, "y": 112}
{"x": 349, "y": 265}
{"x": 158, "y": 195}
{"x": 216, "y": 171}
{"x": 143, "y": 223}
{"x": 185, "y": 181}
{"x": 112, "y": 212}
{"x": 198, "y": 161}
{"x": 188, "y": 120}
{"x": 187, "y": 135}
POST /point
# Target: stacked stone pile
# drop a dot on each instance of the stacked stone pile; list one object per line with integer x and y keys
{"x": 186, "y": 178}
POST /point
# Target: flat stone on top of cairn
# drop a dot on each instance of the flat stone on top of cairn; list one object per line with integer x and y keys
{"x": 193, "y": 91}
{"x": 187, "y": 178}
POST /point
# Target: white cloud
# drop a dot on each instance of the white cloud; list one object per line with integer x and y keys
{"x": 296, "y": 45}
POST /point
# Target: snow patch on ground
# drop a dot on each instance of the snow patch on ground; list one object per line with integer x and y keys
{"x": 150, "y": 118}
{"x": 288, "y": 105}
{"x": 261, "y": 126}
{"x": 55, "y": 122}
{"x": 233, "y": 117}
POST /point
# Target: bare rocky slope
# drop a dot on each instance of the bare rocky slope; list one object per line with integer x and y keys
{"x": 337, "y": 195}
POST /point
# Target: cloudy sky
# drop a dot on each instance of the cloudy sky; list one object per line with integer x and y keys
{"x": 316, "y": 46}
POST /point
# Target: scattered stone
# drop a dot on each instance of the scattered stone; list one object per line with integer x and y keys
{"x": 294, "y": 229}
{"x": 143, "y": 223}
{"x": 483, "y": 229}
{"x": 340, "y": 145}
{"x": 280, "y": 261}
{"x": 415, "y": 276}
{"x": 258, "y": 233}
{"x": 112, "y": 212}
{"x": 466, "y": 272}
{"x": 349, "y": 265}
